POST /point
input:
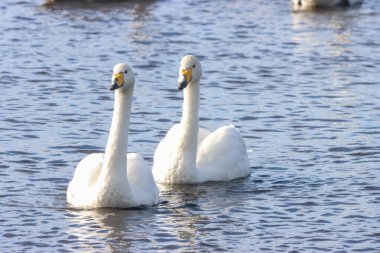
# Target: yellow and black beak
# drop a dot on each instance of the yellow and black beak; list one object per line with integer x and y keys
{"x": 117, "y": 81}
{"x": 187, "y": 76}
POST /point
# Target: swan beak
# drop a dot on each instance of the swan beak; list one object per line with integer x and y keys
{"x": 117, "y": 81}
{"x": 187, "y": 75}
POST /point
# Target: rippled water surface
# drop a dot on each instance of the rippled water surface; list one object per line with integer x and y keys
{"x": 303, "y": 88}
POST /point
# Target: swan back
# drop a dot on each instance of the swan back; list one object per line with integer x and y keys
{"x": 222, "y": 156}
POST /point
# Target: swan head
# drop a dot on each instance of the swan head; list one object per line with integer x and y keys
{"x": 122, "y": 77}
{"x": 190, "y": 70}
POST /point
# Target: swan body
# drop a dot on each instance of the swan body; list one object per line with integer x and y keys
{"x": 115, "y": 178}
{"x": 189, "y": 154}
{"x": 324, "y": 3}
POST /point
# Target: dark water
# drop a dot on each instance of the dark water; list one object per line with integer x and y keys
{"x": 302, "y": 87}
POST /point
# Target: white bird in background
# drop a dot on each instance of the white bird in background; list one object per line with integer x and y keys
{"x": 323, "y": 3}
{"x": 189, "y": 154}
{"x": 115, "y": 179}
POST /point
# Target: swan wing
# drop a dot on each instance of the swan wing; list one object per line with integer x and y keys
{"x": 222, "y": 156}
{"x": 85, "y": 176}
{"x": 163, "y": 155}
{"x": 141, "y": 180}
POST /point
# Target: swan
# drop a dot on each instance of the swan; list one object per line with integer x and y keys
{"x": 324, "y": 3}
{"x": 115, "y": 179}
{"x": 189, "y": 154}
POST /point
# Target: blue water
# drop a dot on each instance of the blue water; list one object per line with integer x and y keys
{"x": 302, "y": 87}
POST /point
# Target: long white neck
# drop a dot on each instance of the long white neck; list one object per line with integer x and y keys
{"x": 188, "y": 142}
{"x": 115, "y": 157}
{"x": 190, "y": 117}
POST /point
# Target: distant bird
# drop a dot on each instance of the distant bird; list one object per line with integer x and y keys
{"x": 323, "y": 3}
{"x": 50, "y": 2}
{"x": 115, "y": 179}
{"x": 189, "y": 154}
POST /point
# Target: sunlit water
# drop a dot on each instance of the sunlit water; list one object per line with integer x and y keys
{"x": 303, "y": 88}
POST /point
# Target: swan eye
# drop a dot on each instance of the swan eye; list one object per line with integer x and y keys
{"x": 126, "y": 71}
{"x": 194, "y": 66}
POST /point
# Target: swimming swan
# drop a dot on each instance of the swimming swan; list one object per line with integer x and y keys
{"x": 323, "y": 3}
{"x": 115, "y": 179}
{"x": 189, "y": 154}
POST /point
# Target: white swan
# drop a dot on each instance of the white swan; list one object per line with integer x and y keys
{"x": 304, "y": 4}
{"x": 189, "y": 154}
{"x": 115, "y": 179}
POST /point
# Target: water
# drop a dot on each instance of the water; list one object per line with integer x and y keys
{"x": 303, "y": 87}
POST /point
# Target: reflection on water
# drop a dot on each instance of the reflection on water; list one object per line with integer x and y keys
{"x": 335, "y": 46}
{"x": 300, "y": 86}
{"x": 178, "y": 221}
{"x": 339, "y": 24}
{"x": 93, "y": 228}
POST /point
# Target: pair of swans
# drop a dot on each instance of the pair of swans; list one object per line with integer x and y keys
{"x": 188, "y": 154}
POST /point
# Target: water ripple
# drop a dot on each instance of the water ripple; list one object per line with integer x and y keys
{"x": 300, "y": 86}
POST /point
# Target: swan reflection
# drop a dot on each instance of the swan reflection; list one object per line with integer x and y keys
{"x": 111, "y": 227}
{"x": 330, "y": 55}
